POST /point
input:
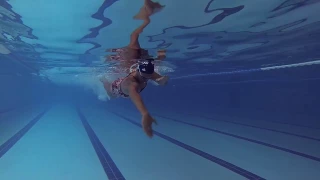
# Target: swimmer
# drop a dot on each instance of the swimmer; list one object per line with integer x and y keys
{"x": 131, "y": 87}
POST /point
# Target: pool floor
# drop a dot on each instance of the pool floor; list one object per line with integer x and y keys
{"x": 66, "y": 141}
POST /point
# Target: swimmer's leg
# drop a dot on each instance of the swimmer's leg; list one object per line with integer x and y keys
{"x": 134, "y": 37}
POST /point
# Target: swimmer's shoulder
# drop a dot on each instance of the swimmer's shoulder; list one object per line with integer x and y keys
{"x": 131, "y": 77}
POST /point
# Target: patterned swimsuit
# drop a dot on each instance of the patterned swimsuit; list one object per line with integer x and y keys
{"x": 116, "y": 87}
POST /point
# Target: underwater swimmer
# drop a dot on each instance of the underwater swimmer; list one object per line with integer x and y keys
{"x": 130, "y": 87}
{"x": 136, "y": 80}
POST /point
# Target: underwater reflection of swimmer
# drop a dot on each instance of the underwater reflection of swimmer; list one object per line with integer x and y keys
{"x": 129, "y": 54}
{"x": 130, "y": 87}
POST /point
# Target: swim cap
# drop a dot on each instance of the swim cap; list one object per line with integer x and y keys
{"x": 146, "y": 67}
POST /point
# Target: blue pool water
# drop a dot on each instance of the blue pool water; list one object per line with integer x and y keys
{"x": 242, "y": 101}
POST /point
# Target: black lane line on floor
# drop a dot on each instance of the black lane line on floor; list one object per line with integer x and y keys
{"x": 205, "y": 155}
{"x": 3, "y": 111}
{"x": 257, "y": 127}
{"x": 5, "y": 147}
{"x": 277, "y": 122}
{"x": 247, "y": 139}
{"x": 106, "y": 161}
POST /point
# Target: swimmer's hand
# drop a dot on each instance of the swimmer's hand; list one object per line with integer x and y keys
{"x": 147, "y": 121}
{"x": 163, "y": 80}
{"x": 161, "y": 55}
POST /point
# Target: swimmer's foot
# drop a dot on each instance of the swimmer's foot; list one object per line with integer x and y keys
{"x": 152, "y": 7}
{"x": 149, "y": 8}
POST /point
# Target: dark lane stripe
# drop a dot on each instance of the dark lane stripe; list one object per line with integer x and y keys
{"x": 106, "y": 161}
{"x": 257, "y": 127}
{"x": 247, "y": 139}
{"x": 291, "y": 124}
{"x": 277, "y": 122}
{"x": 209, "y": 157}
{"x": 2, "y": 111}
{"x": 5, "y": 147}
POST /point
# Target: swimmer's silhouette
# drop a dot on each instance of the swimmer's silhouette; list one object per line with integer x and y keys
{"x": 131, "y": 85}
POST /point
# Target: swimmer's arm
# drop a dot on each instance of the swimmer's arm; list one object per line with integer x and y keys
{"x": 161, "y": 55}
{"x": 136, "y": 98}
{"x": 157, "y": 78}
{"x": 160, "y": 58}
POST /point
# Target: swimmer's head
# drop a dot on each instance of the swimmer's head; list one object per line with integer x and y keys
{"x": 146, "y": 68}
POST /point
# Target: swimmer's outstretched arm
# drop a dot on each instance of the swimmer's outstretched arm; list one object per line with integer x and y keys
{"x": 147, "y": 120}
{"x": 136, "y": 98}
